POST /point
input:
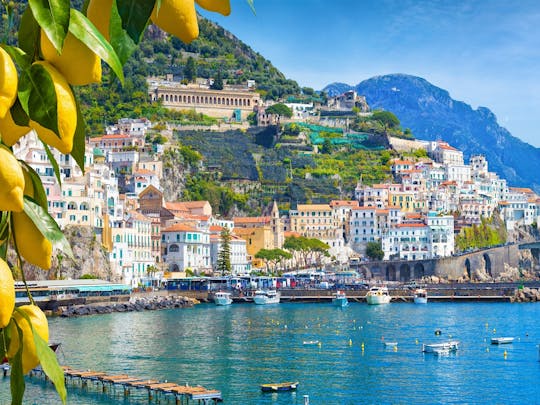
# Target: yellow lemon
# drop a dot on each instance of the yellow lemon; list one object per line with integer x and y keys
{"x": 219, "y": 6}
{"x": 99, "y": 12}
{"x": 32, "y": 245}
{"x": 67, "y": 114}
{"x": 7, "y": 294}
{"x": 10, "y": 131}
{"x": 77, "y": 63}
{"x": 8, "y": 82}
{"x": 11, "y": 182}
{"x": 39, "y": 322}
{"x": 178, "y": 18}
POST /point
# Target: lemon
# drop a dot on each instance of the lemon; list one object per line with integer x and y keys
{"x": 8, "y": 82}
{"x": 220, "y": 6}
{"x": 99, "y": 12}
{"x": 77, "y": 62}
{"x": 10, "y": 131}
{"x": 7, "y": 294}
{"x": 67, "y": 114}
{"x": 39, "y": 322}
{"x": 31, "y": 244}
{"x": 11, "y": 182}
{"x": 178, "y": 18}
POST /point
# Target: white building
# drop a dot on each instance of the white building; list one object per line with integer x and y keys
{"x": 186, "y": 247}
{"x": 442, "y": 234}
{"x": 407, "y": 242}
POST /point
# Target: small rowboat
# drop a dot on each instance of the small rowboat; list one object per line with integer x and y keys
{"x": 285, "y": 386}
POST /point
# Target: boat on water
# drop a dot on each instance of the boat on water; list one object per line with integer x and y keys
{"x": 378, "y": 295}
{"x": 501, "y": 340}
{"x": 276, "y": 387}
{"x": 223, "y": 298}
{"x": 390, "y": 344}
{"x": 440, "y": 348}
{"x": 420, "y": 296}
{"x": 310, "y": 342}
{"x": 340, "y": 299}
{"x": 263, "y": 297}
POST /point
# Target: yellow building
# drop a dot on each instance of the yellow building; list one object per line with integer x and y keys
{"x": 315, "y": 221}
{"x": 406, "y": 201}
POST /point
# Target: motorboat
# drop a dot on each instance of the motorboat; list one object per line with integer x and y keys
{"x": 440, "y": 348}
{"x": 310, "y": 342}
{"x": 420, "y": 296}
{"x": 223, "y": 298}
{"x": 263, "y": 297}
{"x": 390, "y": 344}
{"x": 378, "y": 295}
{"x": 501, "y": 340}
{"x": 340, "y": 299}
{"x": 284, "y": 386}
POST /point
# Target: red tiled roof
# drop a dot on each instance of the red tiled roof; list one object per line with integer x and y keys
{"x": 411, "y": 225}
{"x": 252, "y": 220}
{"x": 342, "y": 203}
{"x": 180, "y": 228}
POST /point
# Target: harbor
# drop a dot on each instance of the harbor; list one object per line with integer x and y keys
{"x": 235, "y": 349}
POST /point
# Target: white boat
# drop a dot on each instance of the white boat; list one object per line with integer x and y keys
{"x": 440, "y": 348}
{"x": 378, "y": 295}
{"x": 222, "y": 298}
{"x": 420, "y": 296}
{"x": 501, "y": 340}
{"x": 390, "y": 344}
{"x": 310, "y": 342}
{"x": 340, "y": 299}
{"x": 263, "y": 297}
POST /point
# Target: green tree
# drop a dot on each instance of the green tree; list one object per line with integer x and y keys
{"x": 190, "y": 70}
{"x": 272, "y": 256}
{"x": 218, "y": 82}
{"x": 224, "y": 255}
{"x": 387, "y": 119}
{"x": 327, "y": 147}
{"x": 280, "y": 109}
{"x": 374, "y": 251}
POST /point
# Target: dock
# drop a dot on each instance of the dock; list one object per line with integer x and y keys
{"x": 156, "y": 391}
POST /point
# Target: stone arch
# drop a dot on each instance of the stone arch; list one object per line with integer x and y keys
{"x": 419, "y": 271}
{"x": 174, "y": 248}
{"x": 487, "y": 261}
{"x": 468, "y": 267}
{"x": 174, "y": 267}
{"x": 391, "y": 273}
{"x": 404, "y": 272}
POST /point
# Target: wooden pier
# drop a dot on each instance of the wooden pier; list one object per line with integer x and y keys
{"x": 157, "y": 391}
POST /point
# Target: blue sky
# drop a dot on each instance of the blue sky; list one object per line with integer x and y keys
{"x": 484, "y": 52}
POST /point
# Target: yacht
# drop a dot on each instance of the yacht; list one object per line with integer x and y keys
{"x": 378, "y": 295}
{"x": 420, "y": 296}
{"x": 222, "y": 298}
{"x": 263, "y": 297}
{"x": 340, "y": 299}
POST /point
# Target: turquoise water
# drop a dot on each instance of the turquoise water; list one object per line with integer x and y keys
{"x": 237, "y": 348}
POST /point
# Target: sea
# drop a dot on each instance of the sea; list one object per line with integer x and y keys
{"x": 237, "y": 348}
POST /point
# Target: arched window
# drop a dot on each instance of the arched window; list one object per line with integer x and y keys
{"x": 83, "y": 207}
{"x": 72, "y": 206}
{"x": 174, "y": 249}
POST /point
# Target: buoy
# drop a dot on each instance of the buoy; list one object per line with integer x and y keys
{"x": 505, "y": 354}
{"x": 494, "y": 330}
{"x": 319, "y": 344}
{"x": 487, "y": 325}
{"x": 487, "y": 349}
{"x": 395, "y": 348}
{"x": 437, "y": 332}
{"x": 350, "y": 342}
{"x": 416, "y": 341}
{"x": 285, "y": 326}
{"x": 362, "y": 346}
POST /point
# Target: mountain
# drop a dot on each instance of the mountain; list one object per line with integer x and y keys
{"x": 335, "y": 89}
{"x": 432, "y": 114}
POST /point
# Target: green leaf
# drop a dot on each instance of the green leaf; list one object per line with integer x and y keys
{"x": 85, "y": 31}
{"x": 123, "y": 45}
{"x": 49, "y": 364}
{"x": 17, "y": 376}
{"x": 53, "y": 17}
{"x": 135, "y": 16}
{"x": 39, "y": 192}
{"x": 19, "y": 115}
{"x": 29, "y": 33}
{"x": 251, "y": 5}
{"x": 38, "y": 97}
{"x": 54, "y": 163}
{"x": 47, "y": 226}
{"x": 19, "y": 57}
{"x": 79, "y": 139}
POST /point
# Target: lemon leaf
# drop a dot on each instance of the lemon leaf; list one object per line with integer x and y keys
{"x": 17, "y": 377}
{"x": 38, "y": 96}
{"x": 18, "y": 114}
{"x": 79, "y": 139}
{"x": 53, "y": 17}
{"x": 135, "y": 16}
{"x": 83, "y": 29}
{"x": 120, "y": 40}
{"x": 49, "y": 364}
{"x": 39, "y": 192}
{"x": 28, "y": 32}
{"x": 47, "y": 226}
{"x": 54, "y": 163}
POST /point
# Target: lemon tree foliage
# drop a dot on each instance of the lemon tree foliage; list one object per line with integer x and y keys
{"x": 47, "y": 48}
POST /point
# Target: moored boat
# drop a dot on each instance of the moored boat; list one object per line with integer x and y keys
{"x": 340, "y": 299}
{"x": 284, "y": 386}
{"x": 501, "y": 340}
{"x": 378, "y": 295}
{"x": 442, "y": 347}
{"x": 222, "y": 298}
{"x": 420, "y": 296}
{"x": 263, "y": 297}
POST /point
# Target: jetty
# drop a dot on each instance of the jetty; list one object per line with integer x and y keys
{"x": 156, "y": 391}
